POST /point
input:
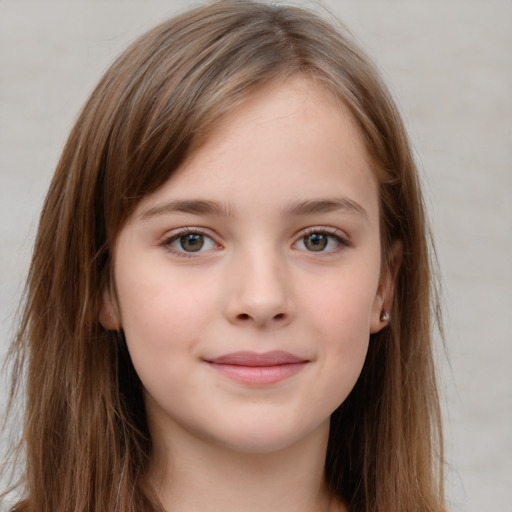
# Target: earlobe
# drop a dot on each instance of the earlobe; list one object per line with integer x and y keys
{"x": 380, "y": 316}
{"x": 109, "y": 315}
{"x": 383, "y": 304}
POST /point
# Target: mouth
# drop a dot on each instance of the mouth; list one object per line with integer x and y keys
{"x": 255, "y": 369}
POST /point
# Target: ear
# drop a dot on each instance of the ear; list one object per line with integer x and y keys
{"x": 383, "y": 302}
{"x": 109, "y": 314}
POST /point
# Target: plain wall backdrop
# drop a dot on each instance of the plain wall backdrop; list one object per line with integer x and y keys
{"x": 449, "y": 65}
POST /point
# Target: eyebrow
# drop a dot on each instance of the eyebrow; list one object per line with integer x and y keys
{"x": 194, "y": 206}
{"x": 296, "y": 208}
{"x": 327, "y": 205}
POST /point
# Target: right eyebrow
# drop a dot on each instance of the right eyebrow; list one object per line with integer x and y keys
{"x": 194, "y": 206}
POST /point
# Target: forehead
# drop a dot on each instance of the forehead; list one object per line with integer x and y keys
{"x": 291, "y": 140}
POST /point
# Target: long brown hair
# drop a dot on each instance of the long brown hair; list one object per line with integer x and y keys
{"x": 85, "y": 439}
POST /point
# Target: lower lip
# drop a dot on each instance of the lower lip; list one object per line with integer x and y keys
{"x": 259, "y": 375}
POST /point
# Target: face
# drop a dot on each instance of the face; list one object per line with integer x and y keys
{"x": 249, "y": 283}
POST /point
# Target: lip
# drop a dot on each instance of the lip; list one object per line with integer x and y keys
{"x": 258, "y": 369}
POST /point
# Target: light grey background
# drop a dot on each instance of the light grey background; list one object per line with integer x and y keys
{"x": 449, "y": 64}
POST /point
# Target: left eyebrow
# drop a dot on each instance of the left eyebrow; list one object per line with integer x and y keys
{"x": 327, "y": 205}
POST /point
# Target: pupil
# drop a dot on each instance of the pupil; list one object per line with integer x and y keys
{"x": 192, "y": 243}
{"x": 315, "y": 242}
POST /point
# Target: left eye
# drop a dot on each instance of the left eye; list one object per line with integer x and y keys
{"x": 319, "y": 241}
{"x": 190, "y": 242}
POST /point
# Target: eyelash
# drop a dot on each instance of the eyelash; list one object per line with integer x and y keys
{"x": 169, "y": 240}
{"x": 332, "y": 233}
{"x": 329, "y": 232}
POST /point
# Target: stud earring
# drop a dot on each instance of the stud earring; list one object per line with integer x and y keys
{"x": 384, "y": 316}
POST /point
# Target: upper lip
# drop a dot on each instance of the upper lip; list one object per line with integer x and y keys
{"x": 247, "y": 358}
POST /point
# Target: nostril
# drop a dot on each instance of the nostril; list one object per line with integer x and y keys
{"x": 246, "y": 316}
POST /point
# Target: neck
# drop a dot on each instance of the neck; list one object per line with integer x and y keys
{"x": 189, "y": 474}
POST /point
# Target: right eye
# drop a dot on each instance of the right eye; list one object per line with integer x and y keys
{"x": 188, "y": 242}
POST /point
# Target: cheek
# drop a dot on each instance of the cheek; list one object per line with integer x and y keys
{"x": 344, "y": 324}
{"x": 341, "y": 303}
{"x": 160, "y": 320}
{"x": 163, "y": 332}
{"x": 339, "y": 316}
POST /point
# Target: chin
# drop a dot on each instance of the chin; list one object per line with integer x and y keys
{"x": 269, "y": 438}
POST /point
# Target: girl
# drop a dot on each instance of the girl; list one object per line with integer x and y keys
{"x": 229, "y": 304}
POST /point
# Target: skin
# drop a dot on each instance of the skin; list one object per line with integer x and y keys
{"x": 257, "y": 284}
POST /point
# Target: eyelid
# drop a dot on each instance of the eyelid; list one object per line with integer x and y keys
{"x": 330, "y": 230}
{"x": 325, "y": 230}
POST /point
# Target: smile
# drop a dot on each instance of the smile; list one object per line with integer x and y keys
{"x": 255, "y": 369}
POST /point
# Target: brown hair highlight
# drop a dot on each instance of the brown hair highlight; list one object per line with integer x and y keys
{"x": 85, "y": 437}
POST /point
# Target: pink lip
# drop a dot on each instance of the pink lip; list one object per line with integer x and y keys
{"x": 257, "y": 369}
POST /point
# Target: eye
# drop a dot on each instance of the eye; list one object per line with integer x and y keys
{"x": 318, "y": 240}
{"x": 188, "y": 241}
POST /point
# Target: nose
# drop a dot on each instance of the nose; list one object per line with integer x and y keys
{"x": 260, "y": 292}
